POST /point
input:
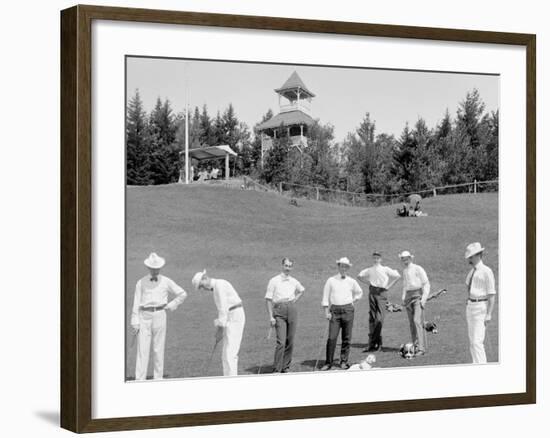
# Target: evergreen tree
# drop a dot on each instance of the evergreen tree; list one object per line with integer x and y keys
{"x": 137, "y": 152}
{"x": 229, "y": 123}
{"x": 404, "y": 159}
{"x": 164, "y": 152}
{"x": 491, "y": 170}
{"x": 205, "y": 128}
{"x": 445, "y": 127}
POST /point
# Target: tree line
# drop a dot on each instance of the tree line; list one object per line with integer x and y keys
{"x": 458, "y": 149}
{"x": 154, "y": 141}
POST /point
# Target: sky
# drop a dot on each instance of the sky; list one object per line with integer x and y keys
{"x": 343, "y": 95}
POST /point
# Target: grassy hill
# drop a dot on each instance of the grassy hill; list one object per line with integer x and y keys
{"x": 241, "y": 236}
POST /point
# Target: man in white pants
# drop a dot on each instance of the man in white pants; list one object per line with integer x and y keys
{"x": 149, "y": 315}
{"x": 230, "y": 321}
{"x": 480, "y": 284}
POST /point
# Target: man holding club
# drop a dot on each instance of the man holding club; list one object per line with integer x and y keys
{"x": 339, "y": 295}
{"x": 148, "y": 318}
{"x": 283, "y": 291}
{"x": 480, "y": 283}
{"x": 380, "y": 279}
{"x": 230, "y": 322}
{"x": 416, "y": 289}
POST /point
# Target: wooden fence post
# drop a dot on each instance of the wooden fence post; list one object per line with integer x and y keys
{"x": 435, "y": 192}
{"x": 317, "y": 194}
{"x": 281, "y": 188}
{"x": 475, "y": 185}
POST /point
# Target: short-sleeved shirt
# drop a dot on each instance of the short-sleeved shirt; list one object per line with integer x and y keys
{"x": 225, "y": 297}
{"x": 378, "y": 275}
{"x": 483, "y": 282}
{"x": 341, "y": 291}
{"x": 283, "y": 288}
{"x": 155, "y": 294}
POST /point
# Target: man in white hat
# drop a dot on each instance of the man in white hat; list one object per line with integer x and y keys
{"x": 380, "y": 279}
{"x": 339, "y": 295}
{"x": 149, "y": 315}
{"x": 230, "y": 321}
{"x": 283, "y": 291}
{"x": 480, "y": 284}
{"x": 416, "y": 288}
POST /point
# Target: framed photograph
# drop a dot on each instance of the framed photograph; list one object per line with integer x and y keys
{"x": 270, "y": 218}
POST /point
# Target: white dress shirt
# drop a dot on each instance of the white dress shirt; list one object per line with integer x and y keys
{"x": 483, "y": 283}
{"x": 414, "y": 277}
{"x": 283, "y": 287}
{"x": 155, "y": 294}
{"x": 225, "y": 296}
{"x": 341, "y": 291}
{"x": 378, "y": 275}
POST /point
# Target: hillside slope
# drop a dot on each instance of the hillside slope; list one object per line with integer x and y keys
{"x": 242, "y": 235}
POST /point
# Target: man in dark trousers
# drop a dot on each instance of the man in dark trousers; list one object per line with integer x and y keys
{"x": 380, "y": 279}
{"x": 339, "y": 295}
{"x": 283, "y": 291}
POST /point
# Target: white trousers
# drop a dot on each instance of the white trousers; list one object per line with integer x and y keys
{"x": 152, "y": 325}
{"x": 232, "y": 336}
{"x": 475, "y": 316}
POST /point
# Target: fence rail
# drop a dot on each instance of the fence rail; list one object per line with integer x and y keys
{"x": 250, "y": 184}
{"x": 358, "y": 199}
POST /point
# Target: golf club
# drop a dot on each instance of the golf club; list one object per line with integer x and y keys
{"x": 320, "y": 351}
{"x": 268, "y": 337}
{"x": 209, "y": 363}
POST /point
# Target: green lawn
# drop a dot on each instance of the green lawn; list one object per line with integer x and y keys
{"x": 241, "y": 236}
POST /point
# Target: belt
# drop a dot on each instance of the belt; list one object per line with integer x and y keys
{"x": 341, "y": 306}
{"x": 152, "y": 308}
{"x": 280, "y": 303}
{"x": 477, "y": 300}
{"x": 415, "y": 293}
{"x": 236, "y": 306}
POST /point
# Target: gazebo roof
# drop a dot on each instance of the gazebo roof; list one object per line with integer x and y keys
{"x": 211, "y": 152}
{"x": 292, "y": 84}
{"x": 287, "y": 119}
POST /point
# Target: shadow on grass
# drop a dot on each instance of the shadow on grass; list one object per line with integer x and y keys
{"x": 149, "y": 377}
{"x": 312, "y": 364}
{"x": 260, "y": 369}
{"x": 389, "y": 350}
{"x": 359, "y": 345}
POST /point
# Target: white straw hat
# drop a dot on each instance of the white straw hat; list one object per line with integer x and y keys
{"x": 403, "y": 254}
{"x": 154, "y": 261}
{"x": 197, "y": 279}
{"x": 343, "y": 261}
{"x": 473, "y": 249}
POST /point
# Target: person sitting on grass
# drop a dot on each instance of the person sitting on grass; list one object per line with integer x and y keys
{"x": 402, "y": 212}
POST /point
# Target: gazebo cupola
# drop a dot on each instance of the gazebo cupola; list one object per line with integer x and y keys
{"x": 294, "y": 119}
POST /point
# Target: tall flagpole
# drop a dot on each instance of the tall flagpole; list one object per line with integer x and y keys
{"x": 186, "y": 125}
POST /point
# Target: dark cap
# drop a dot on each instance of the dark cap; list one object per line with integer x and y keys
{"x": 377, "y": 253}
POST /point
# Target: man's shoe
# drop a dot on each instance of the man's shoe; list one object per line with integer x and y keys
{"x": 326, "y": 367}
{"x": 373, "y": 347}
{"x": 344, "y": 365}
{"x": 285, "y": 370}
